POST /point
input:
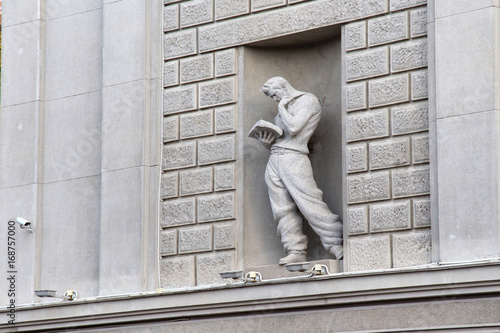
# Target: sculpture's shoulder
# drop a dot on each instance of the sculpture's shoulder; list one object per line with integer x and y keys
{"x": 310, "y": 101}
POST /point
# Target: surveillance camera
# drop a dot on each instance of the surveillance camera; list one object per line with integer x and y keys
{"x": 23, "y": 223}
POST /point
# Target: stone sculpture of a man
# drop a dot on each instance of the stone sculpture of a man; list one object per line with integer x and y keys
{"x": 289, "y": 174}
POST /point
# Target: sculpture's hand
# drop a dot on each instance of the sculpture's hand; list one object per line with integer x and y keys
{"x": 266, "y": 137}
{"x": 285, "y": 101}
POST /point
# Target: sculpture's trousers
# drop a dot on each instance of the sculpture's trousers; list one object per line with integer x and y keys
{"x": 291, "y": 186}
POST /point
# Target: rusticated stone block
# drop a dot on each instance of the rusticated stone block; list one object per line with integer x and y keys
{"x": 390, "y": 216}
{"x": 365, "y": 64}
{"x": 418, "y": 19}
{"x": 196, "y": 12}
{"x": 231, "y": 8}
{"x": 197, "y": 68}
{"x": 419, "y": 83}
{"x": 197, "y": 124}
{"x": 266, "y": 4}
{"x": 178, "y": 212}
{"x": 421, "y": 213}
{"x": 411, "y": 182}
{"x": 171, "y": 73}
{"x": 412, "y": 249}
{"x": 170, "y": 128}
{"x": 420, "y": 149}
{"x": 216, "y": 207}
{"x": 357, "y": 158}
{"x": 168, "y": 242}
{"x": 357, "y": 220}
{"x": 196, "y": 181}
{"x": 224, "y": 236}
{"x": 195, "y": 239}
{"x": 170, "y": 17}
{"x": 410, "y": 118}
{"x": 356, "y": 96}
{"x": 371, "y": 187}
{"x": 391, "y": 90}
{"x": 219, "y": 149}
{"x": 179, "y": 155}
{"x": 388, "y": 29}
{"x": 169, "y": 185}
{"x": 208, "y": 267}
{"x": 225, "y": 119}
{"x": 368, "y": 253}
{"x": 177, "y": 272}
{"x": 224, "y": 177}
{"x": 388, "y": 154}
{"x": 225, "y": 62}
{"x": 179, "y": 99}
{"x": 368, "y": 125}
{"x": 217, "y": 92}
{"x": 409, "y": 55}
{"x": 179, "y": 44}
{"x": 401, "y": 4}
{"x": 355, "y": 35}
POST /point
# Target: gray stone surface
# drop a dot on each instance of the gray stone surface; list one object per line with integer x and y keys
{"x": 224, "y": 177}
{"x": 225, "y": 62}
{"x": 217, "y": 92}
{"x": 225, "y": 119}
{"x": 419, "y": 85}
{"x": 412, "y": 249}
{"x": 389, "y": 154}
{"x": 169, "y": 185}
{"x": 368, "y": 253}
{"x": 357, "y": 158}
{"x": 355, "y": 35}
{"x": 356, "y": 96}
{"x": 411, "y": 181}
{"x": 391, "y": 90}
{"x": 208, "y": 267}
{"x": 178, "y": 212}
{"x": 197, "y": 68}
{"x": 357, "y": 220}
{"x": 229, "y": 8}
{"x": 171, "y": 73}
{"x": 224, "y": 236}
{"x": 178, "y": 44}
{"x": 409, "y": 55}
{"x": 410, "y": 118}
{"x": 421, "y": 212}
{"x": 420, "y": 148}
{"x": 402, "y": 4}
{"x": 371, "y": 187}
{"x": 171, "y": 17}
{"x": 170, "y": 128}
{"x": 266, "y": 4}
{"x": 177, "y": 272}
{"x": 394, "y": 215}
{"x": 179, "y": 155}
{"x": 195, "y": 181}
{"x": 196, "y": 124}
{"x": 216, "y": 207}
{"x": 365, "y": 64}
{"x": 179, "y": 99}
{"x": 418, "y": 22}
{"x": 195, "y": 239}
{"x": 388, "y": 29}
{"x": 368, "y": 125}
{"x": 168, "y": 242}
{"x": 219, "y": 149}
{"x": 196, "y": 12}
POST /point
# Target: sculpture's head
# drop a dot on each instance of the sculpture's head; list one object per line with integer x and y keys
{"x": 277, "y": 88}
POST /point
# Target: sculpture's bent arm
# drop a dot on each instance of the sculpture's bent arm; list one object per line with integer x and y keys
{"x": 306, "y": 106}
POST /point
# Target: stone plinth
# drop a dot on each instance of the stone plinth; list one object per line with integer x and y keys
{"x": 277, "y": 271}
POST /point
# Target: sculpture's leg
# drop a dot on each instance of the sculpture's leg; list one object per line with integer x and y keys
{"x": 285, "y": 211}
{"x": 297, "y": 176}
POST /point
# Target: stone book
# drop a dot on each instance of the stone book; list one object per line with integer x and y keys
{"x": 263, "y": 125}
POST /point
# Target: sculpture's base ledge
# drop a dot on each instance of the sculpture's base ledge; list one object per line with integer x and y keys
{"x": 277, "y": 271}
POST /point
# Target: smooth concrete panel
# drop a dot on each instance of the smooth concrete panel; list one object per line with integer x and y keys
{"x": 74, "y": 55}
{"x": 468, "y": 152}
{"x": 121, "y": 231}
{"x": 21, "y": 63}
{"x": 70, "y": 238}
{"x": 20, "y": 11}
{"x": 60, "y": 8}
{"x": 19, "y": 202}
{"x": 18, "y": 144}
{"x": 123, "y": 125}
{"x": 466, "y": 47}
{"x": 453, "y": 7}
{"x": 124, "y": 41}
{"x": 73, "y": 137}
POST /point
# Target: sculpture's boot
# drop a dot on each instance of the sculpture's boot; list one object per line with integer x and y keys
{"x": 293, "y": 257}
{"x": 337, "y": 251}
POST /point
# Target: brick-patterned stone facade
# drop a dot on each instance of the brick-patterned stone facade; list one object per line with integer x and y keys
{"x": 387, "y": 154}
